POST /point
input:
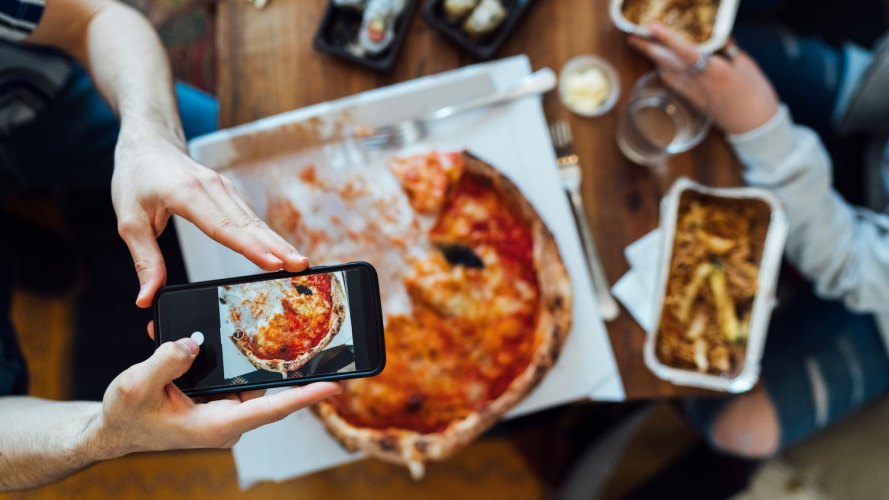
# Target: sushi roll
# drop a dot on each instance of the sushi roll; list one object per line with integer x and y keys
{"x": 455, "y": 10}
{"x": 378, "y": 25}
{"x": 486, "y": 17}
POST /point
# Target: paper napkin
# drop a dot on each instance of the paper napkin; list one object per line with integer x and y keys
{"x": 636, "y": 289}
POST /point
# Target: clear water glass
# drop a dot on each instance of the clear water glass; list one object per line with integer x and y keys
{"x": 660, "y": 121}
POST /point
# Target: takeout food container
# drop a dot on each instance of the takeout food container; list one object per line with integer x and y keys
{"x": 484, "y": 48}
{"x": 337, "y": 26}
{"x": 722, "y": 28}
{"x": 763, "y": 301}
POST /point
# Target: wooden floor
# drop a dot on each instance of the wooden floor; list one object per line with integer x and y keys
{"x": 490, "y": 468}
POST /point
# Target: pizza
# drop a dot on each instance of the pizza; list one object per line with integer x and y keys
{"x": 279, "y": 325}
{"x": 476, "y": 299}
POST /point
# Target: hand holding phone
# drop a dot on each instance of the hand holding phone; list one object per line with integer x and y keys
{"x": 140, "y": 412}
{"x": 271, "y": 330}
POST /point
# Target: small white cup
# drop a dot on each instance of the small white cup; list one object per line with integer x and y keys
{"x": 581, "y": 63}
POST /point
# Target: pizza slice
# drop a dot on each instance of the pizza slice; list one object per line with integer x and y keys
{"x": 425, "y": 178}
{"x": 280, "y": 325}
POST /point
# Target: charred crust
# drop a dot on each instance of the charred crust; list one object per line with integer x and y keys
{"x": 388, "y": 442}
{"x": 556, "y": 347}
{"x": 485, "y": 413}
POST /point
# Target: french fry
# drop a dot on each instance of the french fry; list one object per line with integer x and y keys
{"x": 725, "y": 306}
{"x": 691, "y": 290}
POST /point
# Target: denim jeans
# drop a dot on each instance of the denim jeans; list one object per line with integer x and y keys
{"x": 69, "y": 146}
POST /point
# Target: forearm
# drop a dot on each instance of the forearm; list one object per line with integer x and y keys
{"x": 844, "y": 254}
{"x": 131, "y": 70}
{"x": 42, "y": 441}
{"x": 120, "y": 49}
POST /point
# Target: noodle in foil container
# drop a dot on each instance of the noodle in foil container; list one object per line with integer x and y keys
{"x": 763, "y": 301}
{"x": 722, "y": 27}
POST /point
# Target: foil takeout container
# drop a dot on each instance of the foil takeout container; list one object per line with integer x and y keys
{"x": 763, "y": 303}
{"x": 722, "y": 28}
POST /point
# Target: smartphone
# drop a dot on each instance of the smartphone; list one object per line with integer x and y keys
{"x": 276, "y": 329}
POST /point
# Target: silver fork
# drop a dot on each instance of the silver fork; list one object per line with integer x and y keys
{"x": 569, "y": 171}
{"x": 412, "y": 130}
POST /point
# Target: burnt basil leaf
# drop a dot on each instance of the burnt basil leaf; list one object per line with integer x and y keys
{"x": 460, "y": 255}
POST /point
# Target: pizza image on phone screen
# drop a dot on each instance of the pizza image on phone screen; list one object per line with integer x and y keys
{"x": 281, "y": 325}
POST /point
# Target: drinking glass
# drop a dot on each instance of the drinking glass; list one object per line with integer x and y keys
{"x": 659, "y": 121}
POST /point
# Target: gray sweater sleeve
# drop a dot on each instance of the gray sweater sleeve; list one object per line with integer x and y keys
{"x": 844, "y": 250}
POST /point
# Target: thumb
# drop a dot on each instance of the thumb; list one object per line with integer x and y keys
{"x": 141, "y": 239}
{"x": 169, "y": 362}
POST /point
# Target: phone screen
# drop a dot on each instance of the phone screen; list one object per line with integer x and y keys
{"x": 279, "y": 329}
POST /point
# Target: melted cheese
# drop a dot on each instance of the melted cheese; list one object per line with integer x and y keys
{"x": 456, "y": 337}
{"x": 281, "y": 322}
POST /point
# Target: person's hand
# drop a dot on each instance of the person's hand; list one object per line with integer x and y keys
{"x": 144, "y": 411}
{"x": 156, "y": 179}
{"x": 741, "y": 97}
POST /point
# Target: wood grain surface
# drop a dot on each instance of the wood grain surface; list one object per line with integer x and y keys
{"x": 267, "y": 65}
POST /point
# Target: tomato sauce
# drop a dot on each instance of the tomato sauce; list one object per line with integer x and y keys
{"x": 442, "y": 368}
{"x": 296, "y": 331}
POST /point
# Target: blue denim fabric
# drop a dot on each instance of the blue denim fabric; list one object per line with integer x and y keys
{"x": 821, "y": 363}
{"x": 70, "y": 145}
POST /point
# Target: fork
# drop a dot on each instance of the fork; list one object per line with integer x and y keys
{"x": 410, "y": 131}
{"x": 569, "y": 171}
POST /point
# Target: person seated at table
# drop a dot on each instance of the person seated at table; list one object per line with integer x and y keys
{"x": 55, "y": 130}
{"x": 826, "y": 354}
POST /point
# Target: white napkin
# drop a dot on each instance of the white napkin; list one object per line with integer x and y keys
{"x": 637, "y": 288}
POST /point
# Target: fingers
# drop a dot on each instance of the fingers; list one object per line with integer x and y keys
{"x": 215, "y": 223}
{"x": 169, "y": 362}
{"x": 150, "y": 329}
{"x": 219, "y": 212}
{"x": 248, "y": 395}
{"x": 177, "y": 397}
{"x": 659, "y": 54}
{"x": 671, "y": 40}
{"x": 682, "y": 84}
{"x": 294, "y": 261}
{"x": 273, "y": 407}
{"x": 139, "y": 235}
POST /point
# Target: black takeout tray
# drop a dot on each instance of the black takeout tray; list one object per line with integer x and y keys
{"x": 433, "y": 14}
{"x": 339, "y": 27}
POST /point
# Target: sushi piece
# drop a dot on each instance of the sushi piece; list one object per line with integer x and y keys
{"x": 456, "y": 10}
{"x": 349, "y": 5}
{"x": 486, "y": 17}
{"x": 378, "y": 25}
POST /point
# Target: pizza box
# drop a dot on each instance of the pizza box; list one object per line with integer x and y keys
{"x": 513, "y": 137}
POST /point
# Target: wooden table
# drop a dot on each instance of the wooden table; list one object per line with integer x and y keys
{"x": 267, "y": 65}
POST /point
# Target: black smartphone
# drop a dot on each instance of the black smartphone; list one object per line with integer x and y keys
{"x": 276, "y": 329}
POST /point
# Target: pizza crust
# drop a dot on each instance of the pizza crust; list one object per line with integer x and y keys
{"x": 412, "y": 448}
{"x": 337, "y": 316}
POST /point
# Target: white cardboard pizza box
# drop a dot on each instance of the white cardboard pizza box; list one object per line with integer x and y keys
{"x": 514, "y": 138}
